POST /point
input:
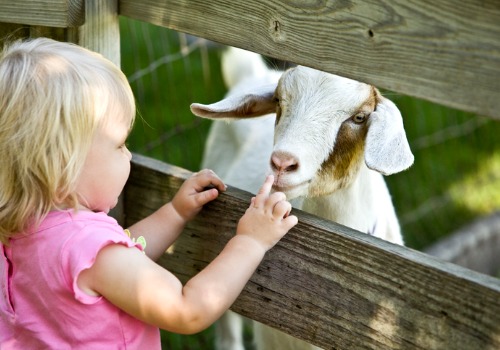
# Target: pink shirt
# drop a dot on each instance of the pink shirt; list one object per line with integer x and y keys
{"x": 41, "y": 306}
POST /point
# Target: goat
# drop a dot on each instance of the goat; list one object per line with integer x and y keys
{"x": 333, "y": 139}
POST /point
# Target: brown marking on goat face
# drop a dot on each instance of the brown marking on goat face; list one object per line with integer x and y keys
{"x": 345, "y": 159}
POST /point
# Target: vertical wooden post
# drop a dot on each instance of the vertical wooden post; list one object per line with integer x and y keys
{"x": 101, "y": 31}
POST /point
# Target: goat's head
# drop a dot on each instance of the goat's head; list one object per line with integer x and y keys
{"x": 325, "y": 127}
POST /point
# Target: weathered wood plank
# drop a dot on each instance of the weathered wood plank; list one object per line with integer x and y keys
{"x": 328, "y": 284}
{"x": 50, "y": 13}
{"x": 441, "y": 51}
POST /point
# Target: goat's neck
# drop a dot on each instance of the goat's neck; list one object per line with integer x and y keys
{"x": 353, "y": 205}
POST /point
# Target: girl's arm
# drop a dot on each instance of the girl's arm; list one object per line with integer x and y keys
{"x": 163, "y": 227}
{"x": 135, "y": 284}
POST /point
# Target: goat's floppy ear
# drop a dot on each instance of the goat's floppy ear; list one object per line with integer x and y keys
{"x": 387, "y": 150}
{"x": 249, "y": 104}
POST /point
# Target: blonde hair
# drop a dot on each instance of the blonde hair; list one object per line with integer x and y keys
{"x": 53, "y": 97}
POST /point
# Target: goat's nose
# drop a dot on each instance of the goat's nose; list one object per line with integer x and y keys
{"x": 284, "y": 162}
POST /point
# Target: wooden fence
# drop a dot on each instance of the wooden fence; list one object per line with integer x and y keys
{"x": 324, "y": 283}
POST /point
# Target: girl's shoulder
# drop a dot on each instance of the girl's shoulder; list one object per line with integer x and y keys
{"x": 62, "y": 225}
{"x": 89, "y": 228}
{"x": 65, "y": 231}
{"x": 77, "y": 216}
{"x": 70, "y": 222}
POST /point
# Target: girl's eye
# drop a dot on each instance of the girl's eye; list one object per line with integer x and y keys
{"x": 359, "y": 118}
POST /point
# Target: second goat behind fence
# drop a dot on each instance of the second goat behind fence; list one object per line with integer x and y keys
{"x": 333, "y": 139}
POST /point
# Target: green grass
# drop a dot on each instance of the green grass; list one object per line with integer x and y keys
{"x": 455, "y": 178}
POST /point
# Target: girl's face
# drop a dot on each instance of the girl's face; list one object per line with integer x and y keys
{"x": 106, "y": 167}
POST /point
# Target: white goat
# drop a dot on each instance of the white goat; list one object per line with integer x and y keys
{"x": 333, "y": 138}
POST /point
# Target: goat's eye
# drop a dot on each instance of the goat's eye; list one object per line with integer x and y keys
{"x": 359, "y": 118}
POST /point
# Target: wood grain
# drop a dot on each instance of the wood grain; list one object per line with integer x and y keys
{"x": 440, "y": 51}
{"x": 50, "y": 13}
{"x": 328, "y": 284}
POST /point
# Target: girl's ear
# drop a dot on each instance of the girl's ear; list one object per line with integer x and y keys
{"x": 249, "y": 104}
{"x": 387, "y": 150}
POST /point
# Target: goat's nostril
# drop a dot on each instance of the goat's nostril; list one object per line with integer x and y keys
{"x": 292, "y": 167}
{"x": 284, "y": 163}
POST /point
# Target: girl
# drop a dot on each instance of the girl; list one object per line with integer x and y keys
{"x": 71, "y": 278}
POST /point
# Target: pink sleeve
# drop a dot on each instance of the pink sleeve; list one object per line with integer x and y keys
{"x": 81, "y": 251}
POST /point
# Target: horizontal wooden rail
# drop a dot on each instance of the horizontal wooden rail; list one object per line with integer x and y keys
{"x": 49, "y": 13}
{"x": 328, "y": 284}
{"x": 442, "y": 51}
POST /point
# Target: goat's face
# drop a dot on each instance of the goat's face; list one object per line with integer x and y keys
{"x": 325, "y": 126}
{"x": 321, "y": 125}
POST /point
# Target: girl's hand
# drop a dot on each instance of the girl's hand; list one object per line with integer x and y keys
{"x": 196, "y": 192}
{"x": 268, "y": 218}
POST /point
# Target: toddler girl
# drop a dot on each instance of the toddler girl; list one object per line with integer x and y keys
{"x": 70, "y": 276}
